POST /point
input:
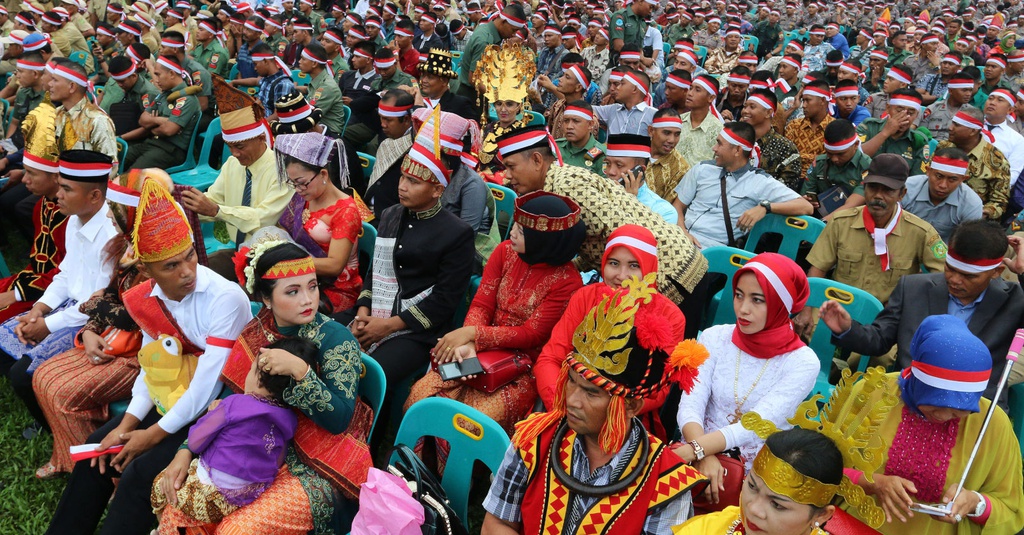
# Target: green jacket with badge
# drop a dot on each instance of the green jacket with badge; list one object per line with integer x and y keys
{"x": 214, "y": 57}
{"x": 181, "y": 109}
{"x": 912, "y": 145}
{"x": 627, "y": 26}
{"x": 325, "y": 94}
{"x": 823, "y": 175}
{"x": 590, "y": 157}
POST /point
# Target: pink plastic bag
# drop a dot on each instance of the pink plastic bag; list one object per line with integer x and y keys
{"x": 386, "y": 507}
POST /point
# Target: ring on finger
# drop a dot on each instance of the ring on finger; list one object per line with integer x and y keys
{"x": 958, "y": 517}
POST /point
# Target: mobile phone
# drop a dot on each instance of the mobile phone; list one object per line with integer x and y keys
{"x": 638, "y": 172}
{"x": 455, "y": 370}
{"x": 932, "y": 509}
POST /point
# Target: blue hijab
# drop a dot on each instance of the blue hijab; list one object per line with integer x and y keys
{"x": 951, "y": 366}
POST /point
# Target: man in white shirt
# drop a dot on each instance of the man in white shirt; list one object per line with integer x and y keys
{"x": 630, "y": 114}
{"x": 1007, "y": 140}
{"x": 751, "y": 193}
{"x": 190, "y": 318}
{"x": 49, "y": 328}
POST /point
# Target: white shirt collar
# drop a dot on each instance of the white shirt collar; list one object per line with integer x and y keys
{"x": 202, "y": 284}
{"x": 99, "y": 220}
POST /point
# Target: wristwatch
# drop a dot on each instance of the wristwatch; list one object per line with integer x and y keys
{"x": 980, "y": 509}
{"x": 767, "y": 205}
{"x": 698, "y": 450}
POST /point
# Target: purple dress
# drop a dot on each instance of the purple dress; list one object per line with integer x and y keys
{"x": 242, "y": 443}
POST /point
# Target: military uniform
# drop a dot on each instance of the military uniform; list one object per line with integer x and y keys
{"x": 68, "y": 39}
{"x": 325, "y": 94}
{"x": 278, "y": 44}
{"x": 627, "y": 26}
{"x": 823, "y": 175}
{"x": 123, "y": 108}
{"x": 399, "y": 78}
{"x": 201, "y": 76}
{"x": 981, "y": 96}
{"x": 897, "y": 58}
{"x": 25, "y": 101}
{"x": 590, "y": 157}
{"x": 707, "y": 40}
{"x": 913, "y": 145}
{"x": 877, "y": 103}
{"x": 181, "y": 109}
{"x": 316, "y": 20}
{"x": 676, "y": 32}
{"x": 846, "y": 245}
{"x": 936, "y": 118}
{"x": 919, "y": 67}
{"x": 213, "y": 57}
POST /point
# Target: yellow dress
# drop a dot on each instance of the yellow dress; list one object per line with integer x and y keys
{"x": 711, "y": 524}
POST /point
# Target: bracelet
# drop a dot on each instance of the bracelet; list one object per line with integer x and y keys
{"x": 309, "y": 370}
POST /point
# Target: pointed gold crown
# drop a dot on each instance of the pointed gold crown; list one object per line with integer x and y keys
{"x": 39, "y": 130}
{"x": 851, "y": 418}
{"x": 506, "y": 72}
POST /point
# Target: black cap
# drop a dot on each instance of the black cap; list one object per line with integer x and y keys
{"x": 890, "y": 170}
{"x": 85, "y": 166}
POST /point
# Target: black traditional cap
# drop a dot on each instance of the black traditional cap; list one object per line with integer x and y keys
{"x": 85, "y": 166}
{"x": 629, "y": 146}
{"x": 439, "y": 63}
{"x": 294, "y": 114}
{"x": 521, "y": 139}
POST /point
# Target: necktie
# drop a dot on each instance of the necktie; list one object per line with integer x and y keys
{"x": 246, "y": 201}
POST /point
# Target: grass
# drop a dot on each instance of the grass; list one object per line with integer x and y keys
{"x": 26, "y": 503}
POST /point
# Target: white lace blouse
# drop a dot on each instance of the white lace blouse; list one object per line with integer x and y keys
{"x": 786, "y": 381}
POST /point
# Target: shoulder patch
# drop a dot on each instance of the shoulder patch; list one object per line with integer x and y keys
{"x": 939, "y": 249}
{"x": 619, "y": 22}
{"x": 595, "y": 152}
{"x": 181, "y": 101}
{"x": 145, "y": 100}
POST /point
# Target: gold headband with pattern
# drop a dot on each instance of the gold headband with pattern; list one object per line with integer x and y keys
{"x": 544, "y": 223}
{"x": 291, "y": 268}
{"x": 783, "y": 479}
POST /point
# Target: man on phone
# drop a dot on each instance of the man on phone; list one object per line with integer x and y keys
{"x": 626, "y": 161}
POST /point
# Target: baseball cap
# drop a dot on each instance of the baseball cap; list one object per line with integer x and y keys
{"x": 889, "y": 170}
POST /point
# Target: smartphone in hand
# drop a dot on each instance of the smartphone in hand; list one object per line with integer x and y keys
{"x": 454, "y": 370}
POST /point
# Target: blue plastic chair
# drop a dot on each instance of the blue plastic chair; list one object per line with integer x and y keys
{"x": 535, "y": 119}
{"x": 667, "y": 47}
{"x": 441, "y": 418}
{"x": 348, "y": 117}
{"x": 122, "y": 153}
{"x": 725, "y": 261}
{"x": 234, "y": 72}
{"x": 78, "y": 57}
{"x": 4, "y": 270}
{"x": 372, "y": 385}
{"x": 203, "y": 175}
{"x": 793, "y": 229}
{"x": 300, "y": 78}
{"x": 504, "y": 202}
{"x": 366, "y": 162}
{"x": 460, "y": 313}
{"x": 190, "y": 154}
{"x": 1015, "y": 400}
{"x": 751, "y": 42}
{"x": 255, "y": 307}
{"x": 702, "y": 53}
{"x": 213, "y": 244}
{"x": 862, "y": 306}
{"x": 366, "y": 245}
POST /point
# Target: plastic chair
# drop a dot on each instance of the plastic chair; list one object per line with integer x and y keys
{"x": 78, "y": 57}
{"x": 504, "y": 203}
{"x": 190, "y": 154}
{"x": 372, "y": 385}
{"x": 667, "y": 47}
{"x": 751, "y": 42}
{"x": 456, "y": 61}
{"x": 460, "y": 313}
{"x": 535, "y": 119}
{"x": 348, "y": 116}
{"x": 366, "y": 162}
{"x": 862, "y": 306}
{"x": 445, "y": 418}
{"x": 4, "y": 270}
{"x": 793, "y": 229}
{"x": 234, "y": 72}
{"x": 365, "y": 246}
{"x": 724, "y": 261}
{"x": 122, "y": 153}
{"x": 213, "y": 244}
{"x": 702, "y": 53}
{"x": 1015, "y": 400}
{"x": 300, "y": 78}
{"x": 255, "y": 307}
{"x": 203, "y": 174}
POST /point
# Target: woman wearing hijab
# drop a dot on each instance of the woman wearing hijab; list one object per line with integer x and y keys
{"x": 759, "y": 364}
{"x": 931, "y": 431}
{"x": 525, "y": 288}
{"x": 631, "y": 251}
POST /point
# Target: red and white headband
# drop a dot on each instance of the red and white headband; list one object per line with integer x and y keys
{"x": 33, "y": 66}
{"x": 67, "y": 74}
{"x": 635, "y": 80}
{"x": 425, "y": 157}
{"x": 703, "y": 84}
{"x": 960, "y": 83}
{"x": 84, "y": 170}
{"x": 123, "y": 75}
{"x": 739, "y": 79}
{"x": 734, "y": 139}
{"x": 581, "y": 113}
{"x": 668, "y": 121}
{"x": 518, "y": 23}
{"x": 950, "y": 165}
{"x": 42, "y": 164}
{"x": 762, "y": 101}
{"x": 842, "y": 145}
{"x": 954, "y": 380}
{"x": 577, "y": 73}
{"x": 402, "y": 32}
{"x": 899, "y": 76}
{"x": 817, "y": 92}
{"x": 999, "y": 62}
{"x": 972, "y": 266}
{"x": 906, "y": 101}
{"x": 776, "y": 283}
{"x": 1003, "y": 94}
{"x": 172, "y": 43}
{"x": 879, "y": 54}
{"x": 846, "y": 92}
{"x": 382, "y": 64}
{"x": 965, "y": 120}
{"x": 121, "y": 195}
{"x": 677, "y": 81}
{"x": 295, "y": 115}
{"x": 626, "y": 150}
{"x": 791, "y": 62}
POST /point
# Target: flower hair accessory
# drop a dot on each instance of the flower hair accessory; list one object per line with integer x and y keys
{"x": 246, "y": 259}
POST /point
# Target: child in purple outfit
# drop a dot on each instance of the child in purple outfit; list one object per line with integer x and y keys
{"x": 241, "y": 443}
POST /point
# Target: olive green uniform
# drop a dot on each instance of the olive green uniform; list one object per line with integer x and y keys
{"x": 164, "y": 152}
{"x": 846, "y": 245}
{"x": 897, "y": 58}
{"x": 278, "y": 44}
{"x": 590, "y": 157}
{"x": 214, "y": 57}
{"x": 912, "y": 145}
{"x": 200, "y": 75}
{"x": 823, "y": 175}
{"x": 317, "y": 21}
{"x": 325, "y": 94}
{"x": 627, "y": 26}
{"x": 142, "y": 94}
{"x": 399, "y": 78}
{"x": 25, "y": 101}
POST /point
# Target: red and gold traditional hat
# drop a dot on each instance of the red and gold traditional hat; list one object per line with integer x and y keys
{"x": 161, "y": 229}
{"x": 544, "y": 223}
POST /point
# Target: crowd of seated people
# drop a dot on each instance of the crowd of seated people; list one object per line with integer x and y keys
{"x": 218, "y": 206}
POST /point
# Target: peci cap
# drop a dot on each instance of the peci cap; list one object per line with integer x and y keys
{"x": 890, "y": 170}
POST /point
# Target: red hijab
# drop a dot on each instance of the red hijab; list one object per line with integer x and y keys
{"x": 639, "y": 241}
{"x": 785, "y": 291}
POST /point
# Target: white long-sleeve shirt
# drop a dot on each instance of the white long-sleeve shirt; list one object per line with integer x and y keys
{"x": 1011, "y": 144}
{"x": 212, "y": 317}
{"x": 786, "y": 381}
{"x": 83, "y": 271}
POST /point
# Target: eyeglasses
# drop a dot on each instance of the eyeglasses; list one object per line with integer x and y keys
{"x": 300, "y": 185}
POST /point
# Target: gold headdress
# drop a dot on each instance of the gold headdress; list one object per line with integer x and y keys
{"x": 854, "y": 429}
{"x": 39, "y": 130}
{"x": 506, "y": 72}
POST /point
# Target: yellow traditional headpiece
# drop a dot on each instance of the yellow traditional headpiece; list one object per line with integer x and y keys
{"x": 247, "y": 257}
{"x": 853, "y": 428}
{"x": 506, "y": 72}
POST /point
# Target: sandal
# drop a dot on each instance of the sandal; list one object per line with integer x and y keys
{"x": 47, "y": 471}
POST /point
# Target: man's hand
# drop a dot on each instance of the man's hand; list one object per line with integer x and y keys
{"x": 113, "y": 438}
{"x": 31, "y": 328}
{"x": 346, "y": 100}
{"x": 136, "y": 443}
{"x": 7, "y": 299}
{"x": 174, "y": 476}
{"x": 632, "y": 182}
{"x": 835, "y": 317}
{"x": 893, "y": 494}
{"x": 1016, "y": 265}
{"x": 900, "y": 121}
{"x": 373, "y": 330}
{"x": 749, "y": 218}
{"x": 802, "y": 323}
{"x": 726, "y": 115}
{"x": 199, "y": 203}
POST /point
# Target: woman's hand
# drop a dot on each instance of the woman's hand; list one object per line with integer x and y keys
{"x": 685, "y": 452}
{"x": 174, "y": 476}
{"x": 96, "y": 348}
{"x": 712, "y": 467}
{"x": 447, "y": 344}
{"x": 965, "y": 504}
{"x": 281, "y": 362}
{"x": 893, "y": 494}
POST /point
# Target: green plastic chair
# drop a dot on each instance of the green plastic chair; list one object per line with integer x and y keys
{"x": 1015, "y": 400}
{"x": 460, "y": 313}
{"x": 213, "y": 244}
{"x": 725, "y": 261}
{"x": 793, "y": 229}
{"x": 190, "y": 154}
{"x": 456, "y": 61}
{"x": 372, "y": 385}
{"x": 862, "y": 306}
{"x": 702, "y": 53}
{"x": 366, "y": 245}
{"x": 535, "y": 119}
{"x": 366, "y": 162}
{"x": 751, "y": 42}
{"x": 78, "y": 57}
{"x": 122, "y": 153}
{"x": 234, "y": 72}
{"x": 444, "y": 419}
{"x": 4, "y": 270}
{"x": 504, "y": 203}
{"x": 203, "y": 174}
{"x": 300, "y": 78}
{"x": 667, "y": 48}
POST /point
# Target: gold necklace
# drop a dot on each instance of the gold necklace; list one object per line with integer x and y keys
{"x": 734, "y": 527}
{"x": 735, "y": 417}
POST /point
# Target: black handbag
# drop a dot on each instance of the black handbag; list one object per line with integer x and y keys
{"x": 439, "y": 518}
